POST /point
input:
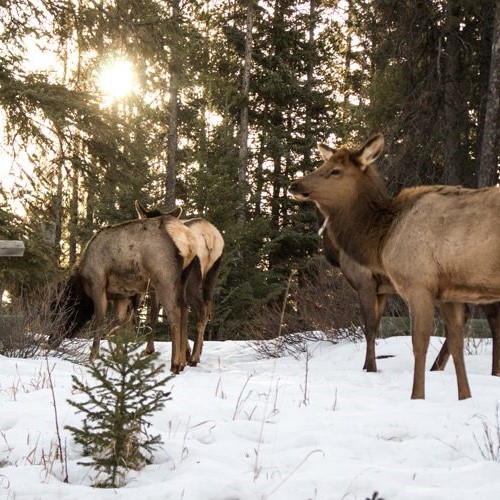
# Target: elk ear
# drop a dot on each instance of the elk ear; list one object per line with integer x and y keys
{"x": 370, "y": 151}
{"x": 175, "y": 212}
{"x": 325, "y": 151}
{"x": 141, "y": 211}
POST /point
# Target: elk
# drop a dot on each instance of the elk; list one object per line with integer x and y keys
{"x": 439, "y": 244}
{"x": 200, "y": 287}
{"x": 373, "y": 289}
{"x": 118, "y": 264}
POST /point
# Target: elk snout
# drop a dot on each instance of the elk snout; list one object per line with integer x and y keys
{"x": 297, "y": 191}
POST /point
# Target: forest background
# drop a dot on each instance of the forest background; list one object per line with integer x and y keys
{"x": 228, "y": 101}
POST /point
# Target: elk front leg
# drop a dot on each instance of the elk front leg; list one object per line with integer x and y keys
{"x": 372, "y": 308}
{"x": 492, "y": 312}
{"x": 444, "y": 354}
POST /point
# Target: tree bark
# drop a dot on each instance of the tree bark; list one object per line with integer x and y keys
{"x": 488, "y": 165}
{"x": 454, "y": 158}
{"x": 259, "y": 172}
{"x": 484, "y": 52}
{"x": 73, "y": 219}
{"x": 277, "y": 140}
{"x": 173, "y": 121}
{"x": 57, "y": 206}
{"x": 309, "y": 146}
{"x": 245, "y": 93}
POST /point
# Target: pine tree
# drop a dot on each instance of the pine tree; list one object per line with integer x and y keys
{"x": 127, "y": 389}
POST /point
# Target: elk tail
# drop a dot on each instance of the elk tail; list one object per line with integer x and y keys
{"x": 71, "y": 309}
{"x": 210, "y": 281}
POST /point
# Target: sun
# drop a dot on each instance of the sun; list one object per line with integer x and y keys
{"x": 117, "y": 79}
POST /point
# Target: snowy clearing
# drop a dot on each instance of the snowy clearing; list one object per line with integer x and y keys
{"x": 239, "y": 427}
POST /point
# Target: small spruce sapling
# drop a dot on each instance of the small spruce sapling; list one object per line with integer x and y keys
{"x": 127, "y": 388}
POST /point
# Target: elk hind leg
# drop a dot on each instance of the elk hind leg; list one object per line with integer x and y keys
{"x": 199, "y": 298}
{"x": 171, "y": 293}
{"x": 202, "y": 313}
{"x": 421, "y": 311}
{"x": 454, "y": 317}
{"x": 170, "y": 300}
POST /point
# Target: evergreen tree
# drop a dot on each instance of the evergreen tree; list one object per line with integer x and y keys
{"x": 127, "y": 389}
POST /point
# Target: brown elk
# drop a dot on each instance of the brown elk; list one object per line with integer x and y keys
{"x": 373, "y": 289}
{"x": 201, "y": 283}
{"x": 432, "y": 244}
{"x": 119, "y": 263}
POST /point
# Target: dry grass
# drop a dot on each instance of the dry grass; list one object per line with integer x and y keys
{"x": 25, "y": 330}
{"x": 318, "y": 304}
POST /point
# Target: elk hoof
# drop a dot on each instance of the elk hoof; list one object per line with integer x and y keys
{"x": 370, "y": 367}
{"x": 176, "y": 368}
{"x": 193, "y": 362}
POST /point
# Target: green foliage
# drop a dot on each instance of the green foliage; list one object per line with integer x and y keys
{"x": 321, "y": 71}
{"x": 126, "y": 389}
{"x": 22, "y": 276}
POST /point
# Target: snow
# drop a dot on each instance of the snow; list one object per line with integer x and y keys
{"x": 239, "y": 427}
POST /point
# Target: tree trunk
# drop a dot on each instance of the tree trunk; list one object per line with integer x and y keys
{"x": 277, "y": 139}
{"x": 172, "y": 136}
{"x": 58, "y": 205}
{"x": 488, "y": 165}
{"x": 454, "y": 158}
{"x": 259, "y": 178}
{"x": 276, "y": 189}
{"x": 259, "y": 172}
{"x": 348, "y": 57}
{"x": 73, "y": 218}
{"x": 309, "y": 142}
{"x": 484, "y": 53}
{"x": 245, "y": 92}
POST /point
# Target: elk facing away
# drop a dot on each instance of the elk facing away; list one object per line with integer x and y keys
{"x": 433, "y": 244}
{"x": 119, "y": 263}
{"x": 209, "y": 245}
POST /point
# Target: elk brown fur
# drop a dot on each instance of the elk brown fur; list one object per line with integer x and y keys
{"x": 121, "y": 261}
{"x": 209, "y": 245}
{"x": 433, "y": 245}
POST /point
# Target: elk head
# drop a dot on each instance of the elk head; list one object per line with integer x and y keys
{"x": 337, "y": 181}
{"x": 144, "y": 213}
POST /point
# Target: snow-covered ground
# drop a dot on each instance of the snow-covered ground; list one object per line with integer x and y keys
{"x": 239, "y": 427}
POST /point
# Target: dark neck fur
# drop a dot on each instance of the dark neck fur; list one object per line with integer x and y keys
{"x": 361, "y": 228}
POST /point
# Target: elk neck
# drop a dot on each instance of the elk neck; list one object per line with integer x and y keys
{"x": 361, "y": 226}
